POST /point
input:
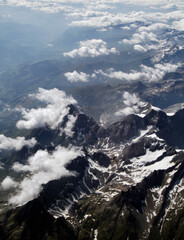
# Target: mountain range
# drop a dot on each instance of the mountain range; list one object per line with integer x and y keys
{"x": 128, "y": 182}
{"x": 91, "y": 120}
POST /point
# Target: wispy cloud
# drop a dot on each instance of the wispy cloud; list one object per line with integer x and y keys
{"x": 7, "y": 143}
{"x": 132, "y": 105}
{"x": 156, "y": 19}
{"x": 78, "y": 13}
{"x": 65, "y": 5}
{"x": 69, "y": 125}
{"x": 147, "y": 74}
{"x": 105, "y": 21}
{"x": 148, "y": 3}
{"x": 100, "y": 6}
{"x": 42, "y": 168}
{"x": 44, "y": 6}
{"x": 139, "y": 48}
{"x": 91, "y": 48}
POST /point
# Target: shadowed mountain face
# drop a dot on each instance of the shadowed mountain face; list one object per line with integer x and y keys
{"x": 32, "y": 221}
{"x": 127, "y": 184}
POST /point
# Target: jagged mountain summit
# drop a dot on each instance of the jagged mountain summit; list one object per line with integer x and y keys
{"x": 123, "y": 182}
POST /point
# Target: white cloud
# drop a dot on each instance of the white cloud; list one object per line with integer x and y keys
{"x": 65, "y": 5}
{"x": 141, "y": 37}
{"x": 102, "y": 30}
{"x": 132, "y": 105}
{"x": 8, "y": 183}
{"x": 77, "y": 77}
{"x": 91, "y": 48}
{"x": 93, "y": 5}
{"x": 7, "y": 143}
{"x": 69, "y": 125}
{"x": 44, "y": 6}
{"x": 85, "y": 14}
{"x": 147, "y": 74}
{"x": 153, "y": 27}
{"x": 139, "y": 48}
{"x": 107, "y": 20}
{"x": 91, "y": 13}
{"x": 51, "y": 115}
{"x": 155, "y": 20}
{"x": 178, "y": 25}
{"x": 156, "y": 3}
{"x": 125, "y": 28}
{"x": 142, "y": 2}
{"x": 43, "y": 167}
{"x": 170, "y": 6}
{"x": 130, "y": 99}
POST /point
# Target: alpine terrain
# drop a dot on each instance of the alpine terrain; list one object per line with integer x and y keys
{"x": 91, "y": 120}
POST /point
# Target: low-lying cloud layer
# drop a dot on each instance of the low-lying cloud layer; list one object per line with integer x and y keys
{"x": 91, "y": 48}
{"x": 7, "y": 143}
{"x": 42, "y": 168}
{"x": 147, "y": 74}
{"x": 52, "y": 115}
{"x": 110, "y": 19}
{"x": 136, "y": 2}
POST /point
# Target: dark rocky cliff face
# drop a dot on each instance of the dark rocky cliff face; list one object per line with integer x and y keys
{"x": 126, "y": 129}
{"x": 171, "y": 129}
{"x": 32, "y": 221}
